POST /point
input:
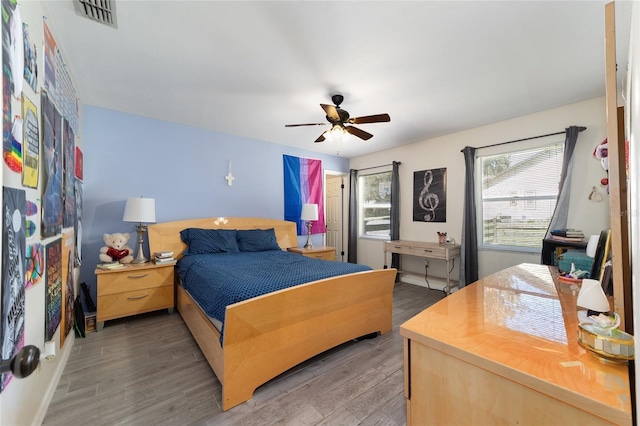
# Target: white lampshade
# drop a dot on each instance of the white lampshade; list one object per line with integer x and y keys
{"x": 592, "y": 296}
{"x": 309, "y": 212}
{"x": 141, "y": 210}
{"x": 592, "y": 246}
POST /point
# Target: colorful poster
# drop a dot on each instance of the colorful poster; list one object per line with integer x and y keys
{"x": 13, "y": 151}
{"x": 303, "y": 185}
{"x": 13, "y": 284}
{"x": 34, "y": 264}
{"x": 49, "y": 58}
{"x": 31, "y": 143}
{"x": 57, "y": 80}
{"x": 79, "y": 164}
{"x": 53, "y": 296}
{"x": 68, "y": 295}
{"x": 32, "y": 227}
{"x": 69, "y": 197}
{"x": 52, "y": 151}
{"x": 430, "y": 195}
{"x": 30, "y": 60}
{"x": 7, "y": 80}
{"x": 77, "y": 226}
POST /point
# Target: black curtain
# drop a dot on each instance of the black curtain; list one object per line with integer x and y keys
{"x": 352, "y": 243}
{"x": 395, "y": 213}
{"x": 560, "y": 213}
{"x": 469, "y": 243}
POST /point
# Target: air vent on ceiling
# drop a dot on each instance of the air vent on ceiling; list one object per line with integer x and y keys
{"x": 103, "y": 11}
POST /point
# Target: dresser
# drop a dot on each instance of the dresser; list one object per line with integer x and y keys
{"x": 446, "y": 252}
{"x": 504, "y": 350}
{"x": 321, "y": 252}
{"x": 134, "y": 289}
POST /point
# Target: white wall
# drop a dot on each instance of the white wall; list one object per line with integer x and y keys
{"x": 25, "y": 401}
{"x": 444, "y": 151}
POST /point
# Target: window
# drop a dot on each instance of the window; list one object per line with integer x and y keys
{"x": 518, "y": 195}
{"x": 374, "y": 192}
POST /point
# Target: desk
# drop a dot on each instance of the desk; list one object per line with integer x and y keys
{"x": 446, "y": 252}
{"x": 504, "y": 350}
{"x": 551, "y": 249}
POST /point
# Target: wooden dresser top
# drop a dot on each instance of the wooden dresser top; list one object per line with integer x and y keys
{"x": 521, "y": 324}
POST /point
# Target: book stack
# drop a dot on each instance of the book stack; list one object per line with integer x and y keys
{"x": 110, "y": 265}
{"x": 568, "y": 235}
{"x": 164, "y": 258}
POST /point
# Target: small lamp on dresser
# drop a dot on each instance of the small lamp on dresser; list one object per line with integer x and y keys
{"x": 309, "y": 213}
{"x": 141, "y": 210}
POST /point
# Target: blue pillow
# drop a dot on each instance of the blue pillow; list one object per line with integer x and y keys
{"x": 257, "y": 240}
{"x": 204, "y": 241}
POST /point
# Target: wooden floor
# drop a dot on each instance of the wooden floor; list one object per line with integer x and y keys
{"x": 148, "y": 370}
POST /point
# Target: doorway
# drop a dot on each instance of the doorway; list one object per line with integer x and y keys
{"x": 334, "y": 212}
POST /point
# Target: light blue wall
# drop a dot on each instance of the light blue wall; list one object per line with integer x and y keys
{"x": 183, "y": 168}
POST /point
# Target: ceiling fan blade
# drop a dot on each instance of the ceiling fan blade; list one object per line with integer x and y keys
{"x": 305, "y": 124}
{"x": 320, "y": 139}
{"x": 357, "y": 132}
{"x": 331, "y": 111}
{"x": 378, "y": 118}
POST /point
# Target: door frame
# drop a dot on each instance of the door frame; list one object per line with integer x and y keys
{"x": 344, "y": 176}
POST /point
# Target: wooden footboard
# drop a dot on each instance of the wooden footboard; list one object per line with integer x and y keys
{"x": 268, "y": 335}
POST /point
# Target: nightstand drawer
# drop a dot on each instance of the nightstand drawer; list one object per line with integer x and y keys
{"x": 327, "y": 255}
{"x": 136, "y": 279}
{"x": 134, "y": 302}
{"x": 322, "y": 252}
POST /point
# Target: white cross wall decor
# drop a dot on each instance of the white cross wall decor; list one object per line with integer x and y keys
{"x": 229, "y": 177}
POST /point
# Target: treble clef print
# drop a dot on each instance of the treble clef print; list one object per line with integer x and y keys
{"x": 428, "y": 201}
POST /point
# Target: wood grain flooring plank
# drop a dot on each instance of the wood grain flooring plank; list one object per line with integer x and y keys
{"x": 148, "y": 370}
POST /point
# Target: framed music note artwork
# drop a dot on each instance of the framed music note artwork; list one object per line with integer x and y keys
{"x": 430, "y": 195}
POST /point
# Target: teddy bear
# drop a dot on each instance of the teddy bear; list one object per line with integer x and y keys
{"x": 116, "y": 249}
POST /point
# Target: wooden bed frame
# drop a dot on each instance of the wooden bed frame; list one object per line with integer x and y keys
{"x": 267, "y": 335}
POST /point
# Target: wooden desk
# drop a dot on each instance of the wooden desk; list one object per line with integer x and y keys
{"x": 504, "y": 350}
{"x": 446, "y": 252}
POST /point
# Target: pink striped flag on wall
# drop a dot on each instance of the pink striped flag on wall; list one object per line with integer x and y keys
{"x": 303, "y": 185}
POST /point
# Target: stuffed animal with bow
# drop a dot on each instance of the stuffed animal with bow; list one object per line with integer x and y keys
{"x": 116, "y": 249}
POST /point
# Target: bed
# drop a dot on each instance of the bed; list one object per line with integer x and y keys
{"x": 266, "y": 335}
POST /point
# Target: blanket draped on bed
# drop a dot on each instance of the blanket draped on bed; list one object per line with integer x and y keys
{"x": 221, "y": 279}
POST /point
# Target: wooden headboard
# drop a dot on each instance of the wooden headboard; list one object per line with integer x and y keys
{"x": 166, "y": 236}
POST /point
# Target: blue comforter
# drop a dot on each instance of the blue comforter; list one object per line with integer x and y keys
{"x": 221, "y": 279}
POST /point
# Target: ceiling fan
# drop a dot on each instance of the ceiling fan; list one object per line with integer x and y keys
{"x": 338, "y": 118}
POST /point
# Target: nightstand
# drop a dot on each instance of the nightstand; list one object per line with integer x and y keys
{"x": 134, "y": 289}
{"x": 321, "y": 252}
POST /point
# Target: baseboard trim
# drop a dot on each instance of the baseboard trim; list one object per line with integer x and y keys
{"x": 53, "y": 384}
{"x": 435, "y": 283}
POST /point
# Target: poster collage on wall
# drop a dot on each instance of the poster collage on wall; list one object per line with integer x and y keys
{"x": 42, "y": 184}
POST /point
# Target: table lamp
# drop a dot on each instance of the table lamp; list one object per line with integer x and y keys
{"x": 592, "y": 297}
{"x": 140, "y": 210}
{"x": 309, "y": 213}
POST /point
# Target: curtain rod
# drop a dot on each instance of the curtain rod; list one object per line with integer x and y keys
{"x": 526, "y": 139}
{"x": 375, "y": 167}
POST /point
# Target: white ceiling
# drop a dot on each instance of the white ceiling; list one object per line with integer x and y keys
{"x": 249, "y": 68}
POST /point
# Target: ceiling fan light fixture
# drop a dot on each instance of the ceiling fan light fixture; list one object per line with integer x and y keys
{"x": 338, "y": 117}
{"x": 337, "y": 130}
{"x": 335, "y": 134}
